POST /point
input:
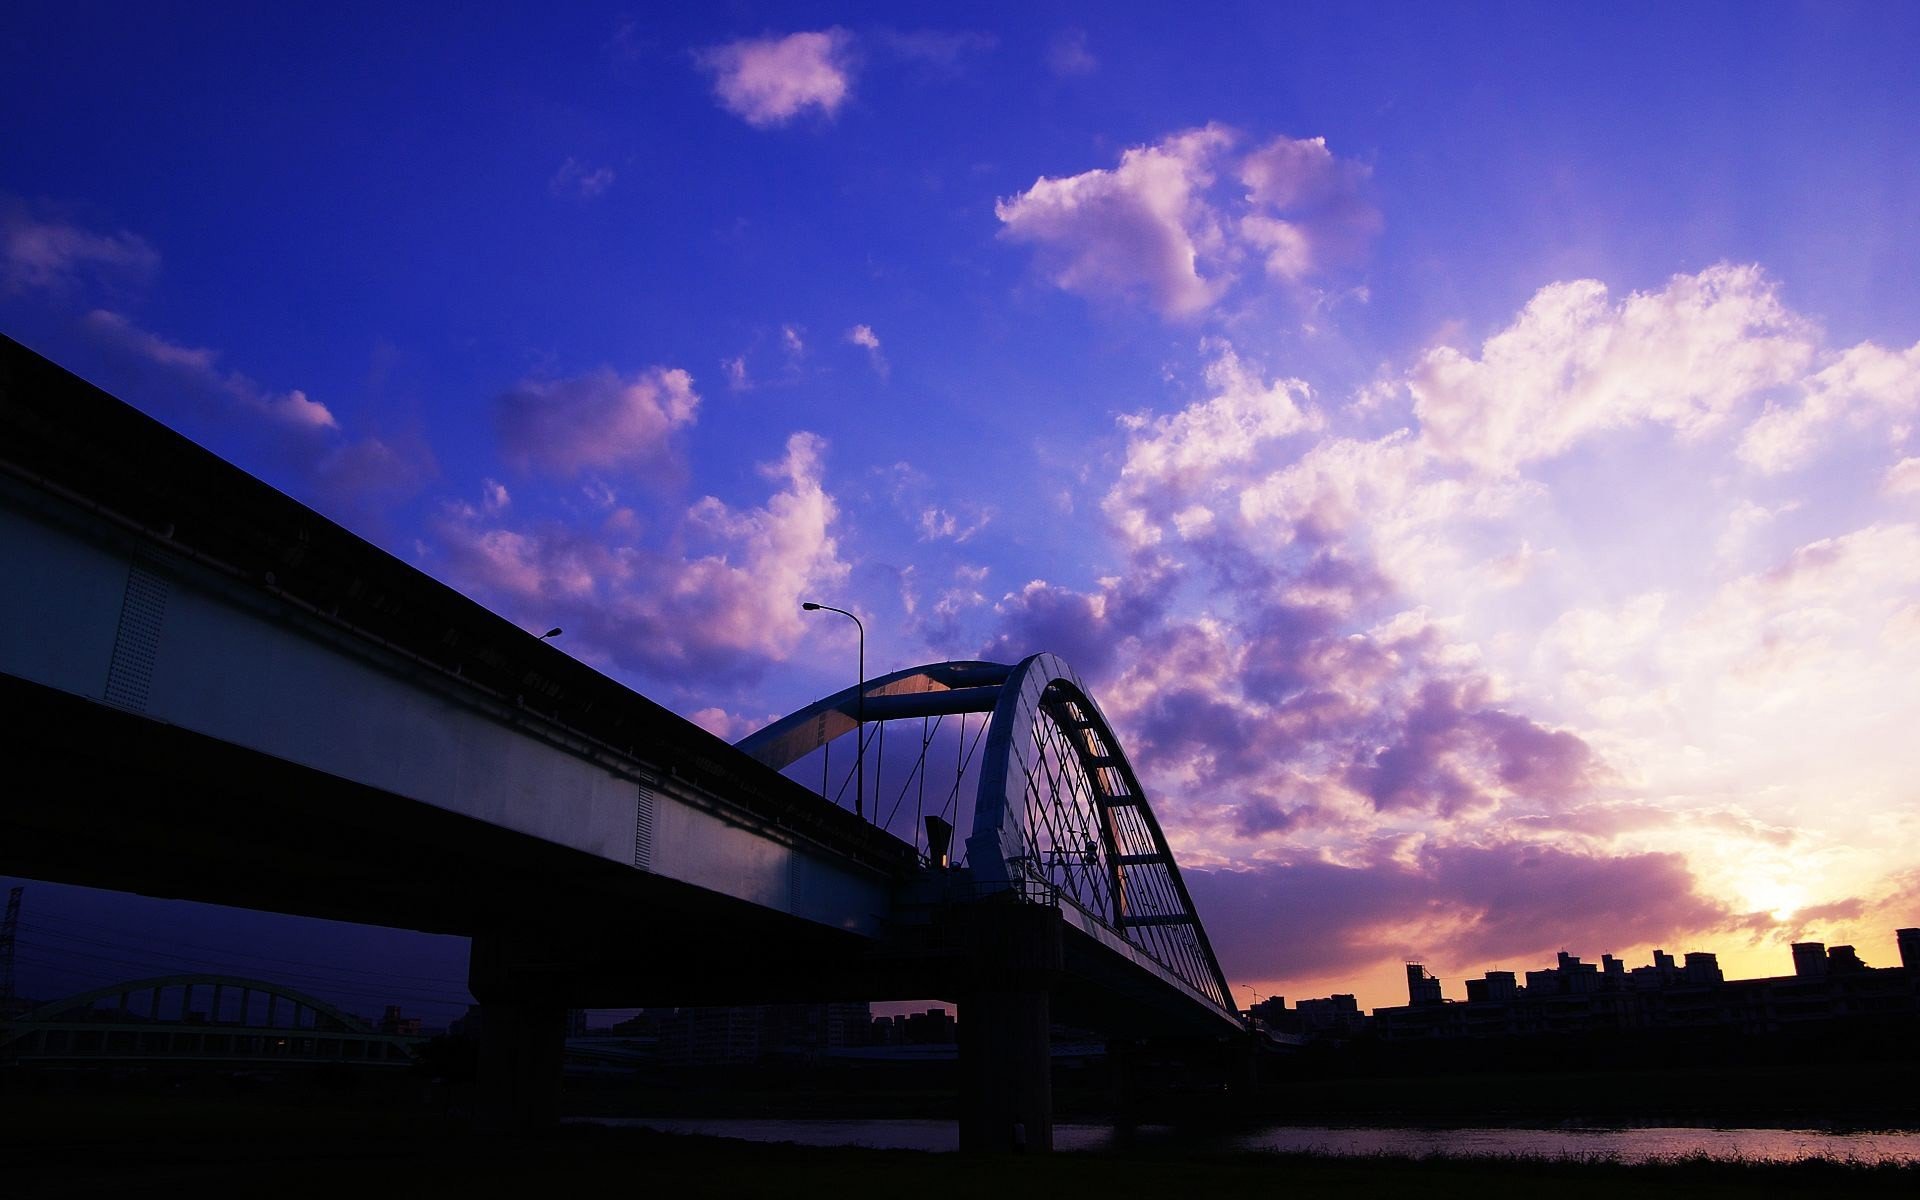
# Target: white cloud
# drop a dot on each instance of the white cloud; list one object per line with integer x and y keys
{"x": 1326, "y": 216}
{"x": 294, "y": 408}
{"x": 940, "y": 524}
{"x": 1902, "y": 478}
{"x": 1861, "y": 385}
{"x": 1136, "y": 231}
{"x": 598, "y": 421}
{"x": 716, "y": 593}
{"x": 864, "y": 337}
{"x": 1745, "y": 521}
{"x": 1575, "y": 363}
{"x": 735, "y": 369}
{"x": 1165, "y": 229}
{"x": 769, "y": 81}
{"x": 1179, "y": 461}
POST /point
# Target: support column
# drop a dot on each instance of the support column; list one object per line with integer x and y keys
{"x": 523, "y": 1035}
{"x": 1006, "y": 1065}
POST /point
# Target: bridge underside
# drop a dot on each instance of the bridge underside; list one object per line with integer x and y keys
{"x": 106, "y": 798}
{"x": 114, "y": 799}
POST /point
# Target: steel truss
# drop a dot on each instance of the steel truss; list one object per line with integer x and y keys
{"x": 1060, "y": 815}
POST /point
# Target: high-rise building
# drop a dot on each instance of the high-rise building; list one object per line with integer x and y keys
{"x": 1810, "y": 960}
{"x": 1702, "y": 967}
{"x": 1909, "y": 942}
{"x": 1841, "y": 960}
{"x": 1422, "y": 988}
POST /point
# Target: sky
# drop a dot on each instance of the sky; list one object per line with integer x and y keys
{"x": 1469, "y": 450}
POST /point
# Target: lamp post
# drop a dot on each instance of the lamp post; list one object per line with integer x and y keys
{"x": 859, "y": 707}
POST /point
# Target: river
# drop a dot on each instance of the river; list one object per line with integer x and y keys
{"x": 1620, "y": 1145}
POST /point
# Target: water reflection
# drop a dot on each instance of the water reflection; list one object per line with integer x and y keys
{"x": 1621, "y": 1145}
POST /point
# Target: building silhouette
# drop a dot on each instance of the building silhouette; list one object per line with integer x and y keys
{"x": 1575, "y": 998}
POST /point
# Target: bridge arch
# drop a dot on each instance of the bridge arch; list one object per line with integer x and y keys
{"x": 1059, "y": 813}
{"x": 53, "y": 1010}
{"x": 294, "y": 1028}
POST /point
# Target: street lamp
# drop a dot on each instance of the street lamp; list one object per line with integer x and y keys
{"x": 859, "y": 706}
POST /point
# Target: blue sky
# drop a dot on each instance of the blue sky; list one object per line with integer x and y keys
{"x": 1468, "y": 448}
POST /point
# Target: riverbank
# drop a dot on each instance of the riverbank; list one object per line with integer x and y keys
{"x": 370, "y": 1162}
{"x": 1756, "y": 1095}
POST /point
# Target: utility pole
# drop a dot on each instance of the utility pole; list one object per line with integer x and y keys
{"x": 9, "y": 932}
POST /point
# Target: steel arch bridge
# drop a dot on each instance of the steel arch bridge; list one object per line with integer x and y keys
{"x": 1059, "y": 815}
{"x": 263, "y": 1022}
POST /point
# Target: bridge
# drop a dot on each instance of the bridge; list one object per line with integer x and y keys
{"x": 245, "y": 1022}
{"x": 208, "y": 691}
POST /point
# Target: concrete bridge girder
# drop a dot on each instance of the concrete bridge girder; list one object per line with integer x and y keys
{"x": 227, "y": 662}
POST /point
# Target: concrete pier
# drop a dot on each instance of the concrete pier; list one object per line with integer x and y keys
{"x": 1006, "y": 1068}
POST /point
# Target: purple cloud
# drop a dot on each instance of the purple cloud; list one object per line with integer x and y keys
{"x": 715, "y": 594}
{"x": 1162, "y": 228}
{"x": 53, "y": 255}
{"x": 1466, "y": 906}
{"x": 599, "y": 421}
{"x": 771, "y": 80}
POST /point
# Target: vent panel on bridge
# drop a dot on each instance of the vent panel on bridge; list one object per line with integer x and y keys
{"x": 1055, "y": 809}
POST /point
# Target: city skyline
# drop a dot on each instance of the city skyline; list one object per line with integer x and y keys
{"x": 1470, "y": 456}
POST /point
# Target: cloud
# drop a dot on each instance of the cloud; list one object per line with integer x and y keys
{"x": 726, "y": 725}
{"x": 938, "y": 524}
{"x": 1167, "y": 228}
{"x": 1576, "y": 363}
{"x": 770, "y": 81}
{"x": 196, "y": 369}
{"x": 363, "y": 475}
{"x": 577, "y": 181}
{"x": 1136, "y": 232}
{"x": 1451, "y": 750}
{"x": 1068, "y": 55}
{"x": 1705, "y": 352}
{"x": 1089, "y": 629}
{"x": 599, "y": 421}
{"x": 1308, "y": 208}
{"x": 1902, "y": 478}
{"x": 712, "y": 593}
{"x": 1864, "y": 384}
{"x": 943, "y": 52}
{"x": 53, "y": 255}
{"x": 864, "y": 337}
{"x": 1389, "y": 646}
{"x": 1466, "y": 906}
{"x": 1178, "y": 468}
